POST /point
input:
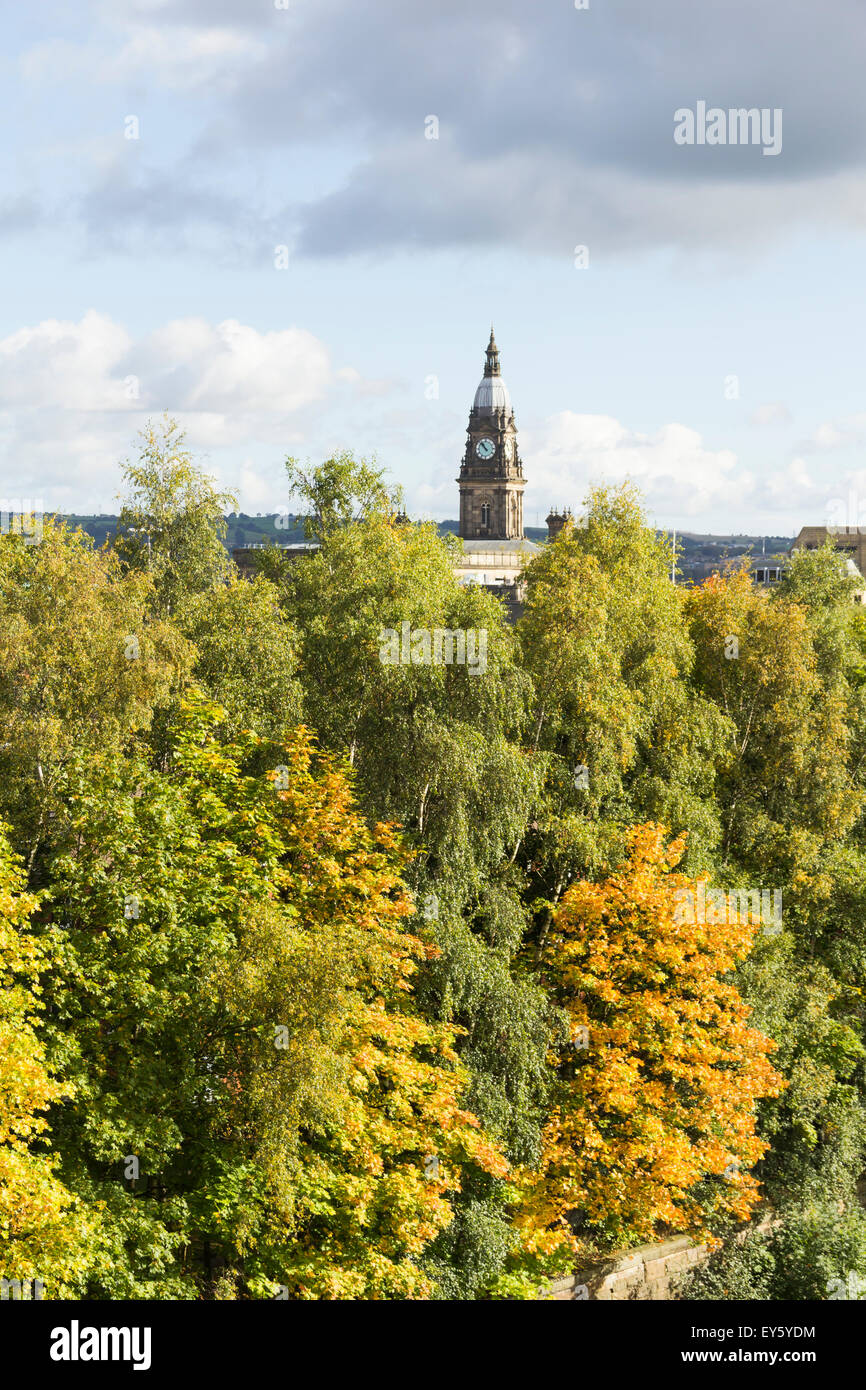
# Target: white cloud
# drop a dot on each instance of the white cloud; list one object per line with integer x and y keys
{"x": 74, "y": 395}
{"x": 829, "y": 437}
{"x": 772, "y": 413}
{"x": 181, "y": 58}
{"x": 64, "y": 364}
{"x": 791, "y": 486}
{"x": 187, "y": 58}
{"x": 836, "y": 434}
{"x": 231, "y": 367}
{"x": 256, "y": 488}
{"x": 674, "y": 469}
{"x": 185, "y": 365}
{"x": 799, "y": 498}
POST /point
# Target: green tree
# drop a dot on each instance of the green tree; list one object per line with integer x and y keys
{"x": 786, "y": 670}
{"x": 82, "y": 666}
{"x": 815, "y": 1253}
{"x": 624, "y": 737}
{"x": 785, "y": 789}
{"x": 172, "y": 523}
{"x": 258, "y": 1097}
{"x": 440, "y": 750}
{"x": 245, "y": 655}
{"x": 817, "y": 1126}
{"x": 340, "y": 491}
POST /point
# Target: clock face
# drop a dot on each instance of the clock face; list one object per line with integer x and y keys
{"x": 485, "y": 448}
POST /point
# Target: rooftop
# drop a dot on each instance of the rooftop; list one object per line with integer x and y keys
{"x": 495, "y": 547}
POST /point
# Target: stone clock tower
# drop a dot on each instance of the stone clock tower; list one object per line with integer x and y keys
{"x": 491, "y": 476}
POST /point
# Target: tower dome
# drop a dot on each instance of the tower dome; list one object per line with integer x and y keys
{"x": 492, "y": 394}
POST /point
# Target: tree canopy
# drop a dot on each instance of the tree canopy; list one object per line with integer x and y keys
{"x": 338, "y": 965}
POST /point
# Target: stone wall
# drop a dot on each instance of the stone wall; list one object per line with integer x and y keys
{"x": 645, "y": 1273}
{"x": 648, "y": 1272}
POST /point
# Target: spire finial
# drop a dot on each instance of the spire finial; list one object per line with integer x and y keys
{"x": 492, "y": 365}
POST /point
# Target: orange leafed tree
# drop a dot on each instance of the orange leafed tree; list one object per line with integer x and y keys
{"x": 654, "y": 1123}
{"x": 43, "y": 1232}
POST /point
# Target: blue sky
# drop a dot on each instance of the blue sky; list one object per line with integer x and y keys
{"x": 139, "y": 274}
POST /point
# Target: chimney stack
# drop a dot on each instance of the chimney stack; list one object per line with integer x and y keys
{"x": 556, "y": 521}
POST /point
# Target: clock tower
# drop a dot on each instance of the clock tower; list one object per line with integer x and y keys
{"x": 491, "y": 475}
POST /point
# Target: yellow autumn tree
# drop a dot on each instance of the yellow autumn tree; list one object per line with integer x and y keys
{"x": 43, "y": 1234}
{"x": 358, "y": 1122}
{"x": 654, "y": 1122}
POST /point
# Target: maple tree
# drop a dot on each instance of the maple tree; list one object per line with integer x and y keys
{"x": 658, "y": 1093}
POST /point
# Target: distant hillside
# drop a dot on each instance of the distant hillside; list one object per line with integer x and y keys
{"x": 242, "y": 529}
{"x": 253, "y": 530}
{"x": 99, "y": 527}
{"x": 697, "y": 555}
{"x": 692, "y": 540}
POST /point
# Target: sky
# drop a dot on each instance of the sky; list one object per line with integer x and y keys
{"x": 290, "y": 224}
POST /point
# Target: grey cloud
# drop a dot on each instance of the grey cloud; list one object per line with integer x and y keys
{"x": 20, "y": 214}
{"x": 151, "y": 210}
{"x": 205, "y": 13}
{"x": 423, "y": 199}
{"x": 543, "y": 108}
{"x": 556, "y": 124}
{"x": 602, "y": 84}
